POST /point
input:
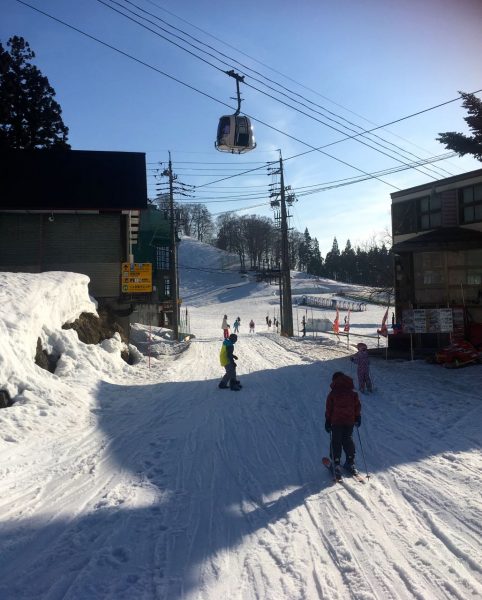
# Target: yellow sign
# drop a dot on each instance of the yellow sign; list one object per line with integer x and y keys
{"x": 136, "y": 278}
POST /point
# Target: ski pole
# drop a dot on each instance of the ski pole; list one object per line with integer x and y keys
{"x": 363, "y": 453}
{"x": 331, "y": 455}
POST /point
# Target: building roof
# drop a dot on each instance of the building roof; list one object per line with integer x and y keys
{"x": 71, "y": 180}
{"x": 439, "y": 183}
{"x": 443, "y": 238}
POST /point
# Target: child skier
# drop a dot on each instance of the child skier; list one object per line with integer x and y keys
{"x": 251, "y": 326}
{"x": 236, "y": 326}
{"x": 363, "y": 368}
{"x": 225, "y": 327}
{"x": 227, "y": 358}
{"x": 343, "y": 411}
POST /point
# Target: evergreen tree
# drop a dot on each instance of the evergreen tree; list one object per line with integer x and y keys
{"x": 29, "y": 116}
{"x": 332, "y": 261}
{"x": 463, "y": 144}
{"x": 315, "y": 265}
{"x": 348, "y": 263}
{"x": 304, "y": 251}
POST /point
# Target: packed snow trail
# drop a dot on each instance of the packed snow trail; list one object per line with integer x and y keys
{"x": 125, "y": 482}
{"x": 176, "y": 489}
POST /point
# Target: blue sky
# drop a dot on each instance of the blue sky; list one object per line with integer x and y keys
{"x": 369, "y": 62}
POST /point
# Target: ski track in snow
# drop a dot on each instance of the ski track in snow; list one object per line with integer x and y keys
{"x": 170, "y": 488}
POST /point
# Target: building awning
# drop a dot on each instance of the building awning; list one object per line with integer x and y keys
{"x": 444, "y": 238}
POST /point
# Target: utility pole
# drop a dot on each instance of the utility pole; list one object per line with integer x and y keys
{"x": 287, "y": 315}
{"x": 173, "y": 255}
{"x": 182, "y": 190}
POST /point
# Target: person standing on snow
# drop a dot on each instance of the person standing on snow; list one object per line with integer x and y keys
{"x": 236, "y": 326}
{"x": 227, "y": 358}
{"x": 342, "y": 413}
{"x": 363, "y": 368}
{"x": 225, "y": 327}
{"x": 251, "y": 326}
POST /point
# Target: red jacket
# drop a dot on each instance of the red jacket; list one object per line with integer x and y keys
{"x": 342, "y": 404}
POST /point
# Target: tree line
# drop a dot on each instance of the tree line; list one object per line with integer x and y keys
{"x": 256, "y": 240}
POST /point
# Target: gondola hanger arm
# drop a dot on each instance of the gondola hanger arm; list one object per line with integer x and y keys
{"x": 238, "y": 78}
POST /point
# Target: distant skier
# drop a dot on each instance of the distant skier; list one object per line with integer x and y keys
{"x": 251, "y": 326}
{"x": 269, "y": 323}
{"x": 343, "y": 411}
{"x": 227, "y": 358}
{"x": 225, "y": 327}
{"x": 303, "y": 326}
{"x": 236, "y": 326}
{"x": 362, "y": 361}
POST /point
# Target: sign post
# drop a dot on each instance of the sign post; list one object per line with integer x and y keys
{"x": 136, "y": 278}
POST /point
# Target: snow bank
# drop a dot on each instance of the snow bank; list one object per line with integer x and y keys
{"x": 34, "y": 306}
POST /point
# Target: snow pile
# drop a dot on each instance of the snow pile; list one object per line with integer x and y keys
{"x": 154, "y": 341}
{"x": 32, "y": 307}
{"x": 35, "y": 306}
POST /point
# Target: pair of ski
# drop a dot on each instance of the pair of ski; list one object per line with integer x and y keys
{"x": 338, "y": 478}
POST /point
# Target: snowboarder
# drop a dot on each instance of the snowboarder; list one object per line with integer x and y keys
{"x": 225, "y": 327}
{"x": 251, "y": 326}
{"x": 227, "y": 358}
{"x": 363, "y": 368}
{"x": 236, "y": 326}
{"x": 343, "y": 411}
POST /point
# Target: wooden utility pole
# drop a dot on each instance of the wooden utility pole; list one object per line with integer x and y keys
{"x": 173, "y": 256}
{"x": 287, "y": 309}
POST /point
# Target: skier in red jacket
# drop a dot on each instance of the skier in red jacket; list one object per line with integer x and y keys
{"x": 343, "y": 411}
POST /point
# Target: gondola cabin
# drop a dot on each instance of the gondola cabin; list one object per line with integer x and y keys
{"x": 235, "y": 134}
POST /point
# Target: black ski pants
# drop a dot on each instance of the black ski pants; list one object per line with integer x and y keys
{"x": 230, "y": 375}
{"x": 342, "y": 437}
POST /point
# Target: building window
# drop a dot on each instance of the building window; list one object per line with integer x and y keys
{"x": 471, "y": 204}
{"x": 404, "y": 217}
{"x": 167, "y": 287}
{"x": 162, "y": 258}
{"x": 430, "y": 212}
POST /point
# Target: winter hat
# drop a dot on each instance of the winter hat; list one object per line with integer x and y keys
{"x": 362, "y": 346}
{"x": 233, "y": 337}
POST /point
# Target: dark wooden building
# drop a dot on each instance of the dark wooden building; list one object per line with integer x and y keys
{"x": 437, "y": 243}
{"x": 71, "y": 210}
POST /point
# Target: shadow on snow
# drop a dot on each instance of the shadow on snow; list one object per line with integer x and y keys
{"x": 217, "y": 466}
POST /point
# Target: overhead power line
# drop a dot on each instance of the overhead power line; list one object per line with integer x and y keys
{"x": 312, "y": 148}
{"x": 192, "y": 88}
{"x": 256, "y": 60}
{"x": 356, "y": 135}
{"x": 260, "y": 81}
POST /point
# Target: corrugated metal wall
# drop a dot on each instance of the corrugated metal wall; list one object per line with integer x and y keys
{"x": 92, "y": 244}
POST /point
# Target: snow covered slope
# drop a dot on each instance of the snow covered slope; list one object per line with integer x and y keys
{"x": 129, "y": 482}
